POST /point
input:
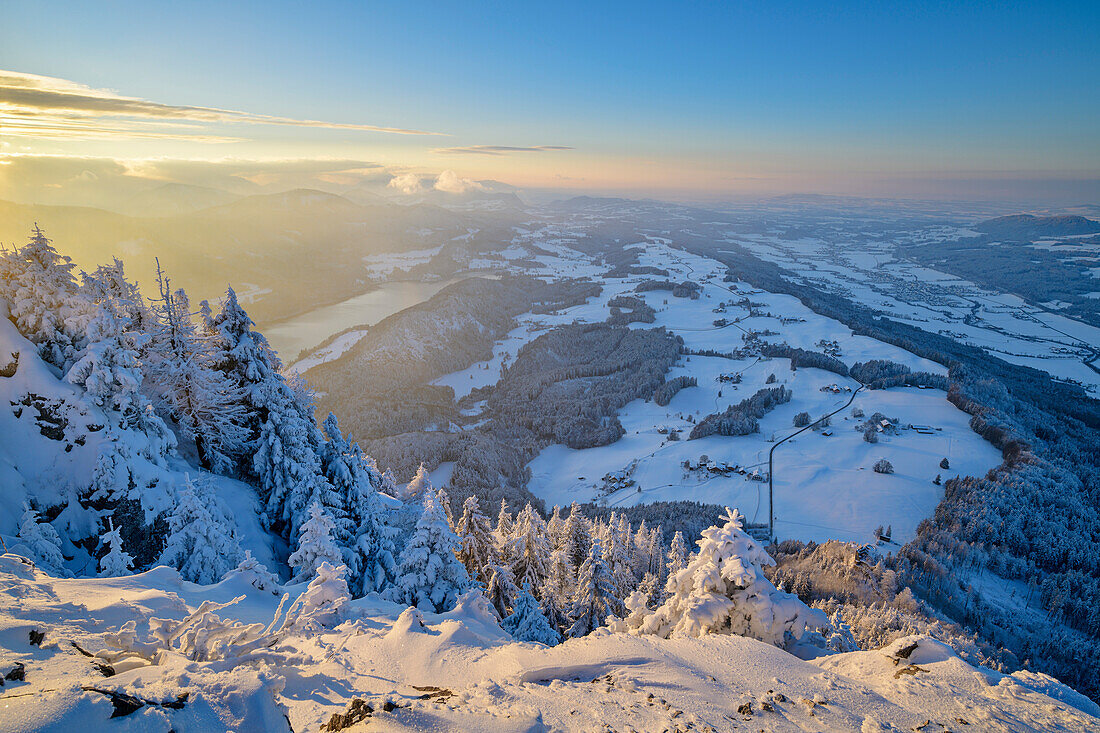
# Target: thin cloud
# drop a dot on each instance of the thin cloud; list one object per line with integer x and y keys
{"x": 43, "y": 106}
{"x": 499, "y": 149}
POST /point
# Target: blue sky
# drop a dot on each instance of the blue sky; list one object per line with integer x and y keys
{"x": 712, "y": 96}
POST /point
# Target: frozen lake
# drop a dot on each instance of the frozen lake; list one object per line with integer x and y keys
{"x": 289, "y": 338}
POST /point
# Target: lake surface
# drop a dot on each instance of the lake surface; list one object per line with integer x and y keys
{"x": 310, "y": 329}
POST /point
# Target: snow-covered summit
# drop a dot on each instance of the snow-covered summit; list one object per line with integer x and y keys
{"x": 415, "y": 670}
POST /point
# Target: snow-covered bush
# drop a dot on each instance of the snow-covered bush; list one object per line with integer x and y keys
{"x": 723, "y": 590}
{"x": 883, "y": 466}
{"x": 256, "y": 574}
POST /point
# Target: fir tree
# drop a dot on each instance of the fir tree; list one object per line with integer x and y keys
{"x": 530, "y": 550}
{"x": 527, "y": 623}
{"x": 115, "y": 562}
{"x": 429, "y": 575}
{"x": 677, "y": 554}
{"x": 40, "y": 542}
{"x": 479, "y": 551}
{"x": 596, "y": 597}
{"x": 555, "y": 528}
{"x": 44, "y": 302}
{"x": 202, "y": 401}
{"x": 555, "y": 613}
{"x": 723, "y": 590}
{"x": 414, "y": 490}
{"x": 202, "y": 543}
{"x": 355, "y": 478}
{"x": 500, "y": 589}
{"x": 287, "y": 464}
{"x": 576, "y": 536}
{"x": 108, "y": 368}
{"x": 315, "y": 545}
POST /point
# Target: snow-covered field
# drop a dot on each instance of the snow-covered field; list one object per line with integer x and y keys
{"x": 452, "y": 671}
{"x": 824, "y": 486}
{"x": 1003, "y": 324}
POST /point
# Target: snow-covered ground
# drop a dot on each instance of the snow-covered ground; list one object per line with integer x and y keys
{"x": 824, "y": 486}
{"x": 1005, "y": 325}
{"x": 454, "y": 671}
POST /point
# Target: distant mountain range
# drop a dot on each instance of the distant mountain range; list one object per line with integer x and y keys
{"x": 1026, "y": 227}
{"x": 305, "y": 245}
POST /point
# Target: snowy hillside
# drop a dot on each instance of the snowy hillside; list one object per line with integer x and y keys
{"x": 457, "y": 671}
{"x": 257, "y": 570}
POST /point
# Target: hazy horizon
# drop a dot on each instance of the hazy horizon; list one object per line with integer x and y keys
{"x": 951, "y": 102}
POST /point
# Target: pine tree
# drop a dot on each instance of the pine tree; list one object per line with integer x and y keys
{"x": 203, "y": 402}
{"x": 414, "y": 490}
{"x": 202, "y": 542}
{"x": 315, "y": 545}
{"x": 576, "y": 536}
{"x": 287, "y": 463}
{"x": 246, "y": 358}
{"x": 723, "y": 590}
{"x": 44, "y": 302}
{"x": 355, "y": 478}
{"x": 531, "y": 549}
{"x": 40, "y": 542}
{"x": 108, "y": 368}
{"x": 429, "y": 575}
{"x": 677, "y": 554}
{"x": 504, "y": 534}
{"x": 115, "y": 562}
{"x": 479, "y": 550}
{"x": 527, "y": 623}
{"x": 500, "y": 589}
{"x": 555, "y": 528}
{"x": 596, "y": 597}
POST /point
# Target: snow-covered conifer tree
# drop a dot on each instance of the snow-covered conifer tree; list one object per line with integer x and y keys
{"x": 531, "y": 549}
{"x": 479, "y": 550}
{"x": 527, "y": 623}
{"x": 555, "y": 528}
{"x": 576, "y": 536}
{"x": 202, "y": 400}
{"x": 677, "y": 554}
{"x": 596, "y": 596}
{"x": 287, "y": 464}
{"x": 500, "y": 589}
{"x": 560, "y": 579}
{"x": 40, "y": 542}
{"x": 556, "y": 614}
{"x": 723, "y": 590}
{"x": 355, "y": 478}
{"x": 415, "y": 489}
{"x": 202, "y": 543}
{"x": 618, "y": 555}
{"x": 315, "y": 545}
{"x": 115, "y": 562}
{"x": 429, "y": 574}
{"x": 44, "y": 302}
{"x": 108, "y": 368}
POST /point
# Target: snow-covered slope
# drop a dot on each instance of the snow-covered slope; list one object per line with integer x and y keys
{"x": 455, "y": 671}
{"x": 50, "y": 438}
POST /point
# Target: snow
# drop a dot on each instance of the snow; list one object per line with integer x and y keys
{"x": 460, "y": 671}
{"x": 814, "y": 474}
